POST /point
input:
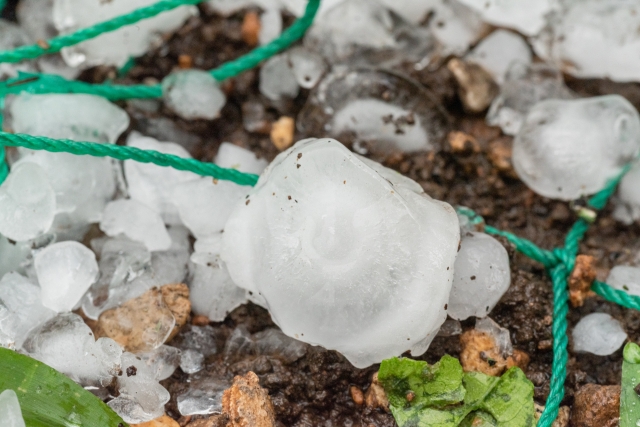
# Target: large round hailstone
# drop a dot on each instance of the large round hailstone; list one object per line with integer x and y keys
{"x": 347, "y": 254}
{"x": 570, "y": 148}
{"x": 481, "y": 276}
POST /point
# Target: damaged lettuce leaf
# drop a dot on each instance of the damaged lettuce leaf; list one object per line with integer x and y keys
{"x": 629, "y": 399}
{"x": 443, "y": 395}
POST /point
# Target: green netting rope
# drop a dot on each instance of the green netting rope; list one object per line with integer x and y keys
{"x": 559, "y": 263}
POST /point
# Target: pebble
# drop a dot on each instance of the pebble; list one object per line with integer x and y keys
{"x": 163, "y": 421}
{"x": 582, "y": 276}
{"x": 282, "y": 132}
{"x": 596, "y": 406}
{"x": 247, "y": 404}
{"x": 476, "y": 88}
{"x": 251, "y": 28}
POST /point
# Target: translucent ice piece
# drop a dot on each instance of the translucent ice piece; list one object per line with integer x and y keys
{"x": 528, "y": 17}
{"x": 499, "y": 334}
{"x": 525, "y": 86}
{"x": 67, "y": 344}
{"x": 193, "y": 94}
{"x": 65, "y": 271}
{"x": 115, "y": 47}
{"x": 567, "y": 149}
{"x": 627, "y": 204}
{"x": 233, "y": 157}
{"x": 625, "y": 278}
{"x": 498, "y": 51}
{"x": 200, "y": 338}
{"x": 273, "y": 342}
{"x": 10, "y": 412}
{"x": 27, "y": 203}
{"x": 594, "y": 39}
{"x": 162, "y": 361}
{"x": 481, "y": 276}
{"x": 204, "y": 395}
{"x": 192, "y": 361}
{"x": 599, "y": 334}
{"x": 326, "y": 240}
{"x": 277, "y": 80}
{"x": 136, "y": 221}
{"x": 21, "y": 310}
{"x": 386, "y": 111}
{"x": 36, "y": 17}
{"x": 153, "y": 185}
{"x": 12, "y": 255}
{"x": 204, "y": 205}
{"x": 307, "y": 66}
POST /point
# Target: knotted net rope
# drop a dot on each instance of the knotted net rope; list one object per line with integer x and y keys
{"x": 559, "y": 262}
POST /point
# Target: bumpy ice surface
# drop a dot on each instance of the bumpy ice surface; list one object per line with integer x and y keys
{"x": 598, "y": 333}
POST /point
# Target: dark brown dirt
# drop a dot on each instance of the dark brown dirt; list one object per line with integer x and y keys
{"x": 315, "y": 390}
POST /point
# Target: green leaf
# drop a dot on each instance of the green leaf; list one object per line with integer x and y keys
{"x": 51, "y": 399}
{"x": 443, "y": 396}
{"x": 629, "y": 399}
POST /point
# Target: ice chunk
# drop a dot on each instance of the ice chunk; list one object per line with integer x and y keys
{"x": 11, "y": 37}
{"x": 12, "y": 255}
{"x": 524, "y": 86}
{"x": 385, "y": 111}
{"x": 592, "y": 38}
{"x": 192, "y": 361}
{"x": 239, "y": 343}
{"x": 277, "y": 80}
{"x": 627, "y": 204}
{"x": 10, "y": 412}
{"x": 233, "y": 157}
{"x": 499, "y": 334}
{"x": 498, "y": 51}
{"x": 330, "y": 243}
{"x": 204, "y": 395}
{"x": 204, "y": 205}
{"x": 528, "y": 17}
{"x": 307, "y": 66}
{"x": 450, "y": 328}
{"x": 625, "y": 278}
{"x": 270, "y": 25}
{"x": 36, "y": 17}
{"x": 162, "y": 361}
{"x": 27, "y": 203}
{"x": 202, "y": 339}
{"x": 193, "y": 94}
{"x": 65, "y": 271}
{"x": 114, "y": 47}
{"x": 272, "y": 342}
{"x": 136, "y": 221}
{"x": 153, "y": 185}
{"x": 141, "y": 397}
{"x": 567, "y": 149}
{"x": 21, "y": 310}
{"x": 481, "y": 276}
{"x": 67, "y": 344}
{"x": 599, "y": 334}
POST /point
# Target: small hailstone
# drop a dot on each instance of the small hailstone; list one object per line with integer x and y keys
{"x": 500, "y": 335}
{"x": 204, "y": 395}
{"x": 270, "y": 25}
{"x": 191, "y": 361}
{"x": 593, "y": 39}
{"x": 272, "y": 342}
{"x": 193, "y": 94}
{"x": 11, "y": 37}
{"x": 27, "y": 203}
{"x": 481, "y": 276}
{"x": 162, "y": 361}
{"x": 524, "y": 86}
{"x": 153, "y": 185}
{"x": 65, "y": 271}
{"x": 136, "y": 221}
{"x": 231, "y": 156}
{"x": 200, "y": 338}
{"x": 239, "y": 343}
{"x": 10, "y": 412}
{"x": 528, "y": 17}
{"x": 627, "y": 203}
{"x": 498, "y": 51}
{"x": 599, "y": 334}
{"x": 21, "y": 310}
{"x": 321, "y": 220}
{"x": 67, "y": 344}
{"x": 205, "y": 204}
{"x": 141, "y": 398}
{"x": 13, "y": 255}
{"x": 114, "y": 47}
{"x": 567, "y": 149}
{"x": 307, "y": 66}
{"x": 277, "y": 80}
{"x": 625, "y": 278}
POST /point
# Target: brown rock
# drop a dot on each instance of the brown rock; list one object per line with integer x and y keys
{"x": 282, "y": 132}
{"x": 582, "y": 276}
{"x": 247, "y": 404}
{"x": 200, "y": 320}
{"x": 356, "y": 395}
{"x": 143, "y": 323}
{"x": 212, "y": 421}
{"x": 251, "y": 28}
{"x": 476, "y": 88}
{"x": 563, "y": 415}
{"x": 375, "y": 397}
{"x": 461, "y": 142}
{"x": 163, "y": 421}
{"x": 185, "y": 61}
{"x": 480, "y": 354}
{"x": 499, "y": 154}
{"x": 596, "y": 406}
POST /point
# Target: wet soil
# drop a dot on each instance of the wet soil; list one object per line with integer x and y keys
{"x": 314, "y": 390}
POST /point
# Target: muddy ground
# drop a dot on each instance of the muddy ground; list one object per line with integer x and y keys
{"x": 314, "y": 390}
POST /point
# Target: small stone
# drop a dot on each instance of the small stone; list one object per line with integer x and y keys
{"x": 213, "y": 421}
{"x": 582, "y": 276}
{"x": 481, "y": 354}
{"x": 200, "y": 320}
{"x": 282, "y": 132}
{"x": 564, "y": 414}
{"x": 599, "y": 334}
{"x": 376, "y": 397}
{"x": 251, "y": 28}
{"x": 247, "y": 404}
{"x": 193, "y": 94}
{"x": 10, "y": 412}
{"x": 476, "y": 88}
{"x": 461, "y": 142}
{"x": 596, "y": 406}
{"x": 163, "y": 421}
{"x": 185, "y": 61}
{"x": 356, "y": 395}
{"x": 499, "y": 154}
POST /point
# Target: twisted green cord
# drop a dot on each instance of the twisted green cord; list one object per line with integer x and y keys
{"x": 57, "y": 43}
